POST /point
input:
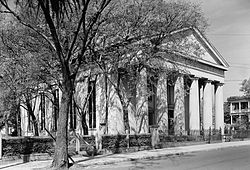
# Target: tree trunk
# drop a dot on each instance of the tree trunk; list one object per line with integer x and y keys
{"x": 125, "y": 118}
{"x": 33, "y": 117}
{"x": 125, "y": 114}
{"x": 60, "y": 160}
{"x": 124, "y": 105}
{"x": 106, "y": 104}
{"x": 19, "y": 129}
{"x": 84, "y": 124}
{"x": 6, "y": 127}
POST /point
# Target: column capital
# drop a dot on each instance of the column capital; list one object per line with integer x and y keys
{"x": 194, "y": 78}
{"x": 219, "y": 84}
{"x": 208, "y": 81}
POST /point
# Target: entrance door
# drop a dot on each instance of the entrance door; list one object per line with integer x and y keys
{"x": 170, "y": 122}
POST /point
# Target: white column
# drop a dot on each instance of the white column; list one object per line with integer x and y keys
{"x": 194, "y": 115}
{"x": 141, "y": 117}
{"x": 201, "y": 105}
{"x": 219, "y": 111}
{"x": 208, "y": 104}
{"x": 179, "y": 112}
{"x": 162, "y": 104}
{"x": 231, "y": 109}
{"x": 1, "y": 145}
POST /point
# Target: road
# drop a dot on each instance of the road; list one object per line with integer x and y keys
{"x": 233, "y": 158}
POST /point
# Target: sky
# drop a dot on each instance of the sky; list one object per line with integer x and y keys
{"x": 229, "y": 32}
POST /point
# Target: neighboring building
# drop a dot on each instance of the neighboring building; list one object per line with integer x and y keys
{"x": 187, "y": 103}
{"x": 239, "y": 109}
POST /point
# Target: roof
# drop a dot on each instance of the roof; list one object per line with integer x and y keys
{"x": 210, "y": 49}
{"x": 237, "y": 98}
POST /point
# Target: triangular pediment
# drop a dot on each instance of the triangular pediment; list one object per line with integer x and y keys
{"x": 211, "y": 54}
{"x": 194, "y": 44}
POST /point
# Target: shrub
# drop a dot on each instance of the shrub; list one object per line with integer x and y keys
{"x": 15, "y": 146}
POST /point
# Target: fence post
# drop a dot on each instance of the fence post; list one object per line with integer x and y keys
{"x": 209, "y": 135}
{"x": 220, "y": 133}
{"x": 127, "y": 139}
{"x": 242, "y": 134}
{"x": 154, "y": 137}
{"x": 203, "y": 133}
{"x": 77, "y": 143}
{"x": 1, "y": 146}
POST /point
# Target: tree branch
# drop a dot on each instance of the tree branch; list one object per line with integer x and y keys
{"x": 53, "y": 33}
{"x": 82, "y": 21}
{"x": 9, "y": 11}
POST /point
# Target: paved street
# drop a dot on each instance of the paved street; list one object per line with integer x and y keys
{"x": 227, "y": 155}
{"x": 221, "y": 159}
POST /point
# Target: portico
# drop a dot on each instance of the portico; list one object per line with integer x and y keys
{"x": 195, "y": 104}
{"x": 205, "y": 104}
{"x": 187, "y": 100}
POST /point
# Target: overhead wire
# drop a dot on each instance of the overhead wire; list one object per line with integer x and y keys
{"x": 232, "y": 64}
{"x": 229, "y": 34}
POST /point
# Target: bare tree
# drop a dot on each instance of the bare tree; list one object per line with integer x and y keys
{"x": 69, "y": 28}
{"x": 245, "y": 86}
{"x": 23, "y": 67}
{"x": 83, "y": 33}
{"x": 134, "y": 38}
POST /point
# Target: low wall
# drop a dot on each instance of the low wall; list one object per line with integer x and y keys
{"x": 120, "y": 143}
{"x": 117, "y": 143}
{"x": 15, "y": 146}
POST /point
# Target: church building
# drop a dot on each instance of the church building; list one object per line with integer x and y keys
{"x": 184, "y": 101}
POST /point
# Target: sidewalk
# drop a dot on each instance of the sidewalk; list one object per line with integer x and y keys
{"x": 81, "y": 161}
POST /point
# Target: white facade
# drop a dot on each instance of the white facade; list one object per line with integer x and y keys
{"x": 190, "y": 102}
{"x": 239, "y": 109}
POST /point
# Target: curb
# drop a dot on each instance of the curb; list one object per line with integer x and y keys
{"x": 161, "y": 153}
{"x": 81, "y": 162}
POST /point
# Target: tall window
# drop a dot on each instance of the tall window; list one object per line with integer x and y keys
{"x": 152, "y": 90}
{"x": 30, "y": 127}
{"x": 92, "y": 104}
{"x": 72, "y": 116}
{"x": 42, "y": 109}
{"x": 235, "y": 118}
{"x": 55, "y": 108}
{"x": 244, "y": 105}
{"x": 235, "y": 106}
{"x": 170, "y": 91}
{"x": 170, "y": 99}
